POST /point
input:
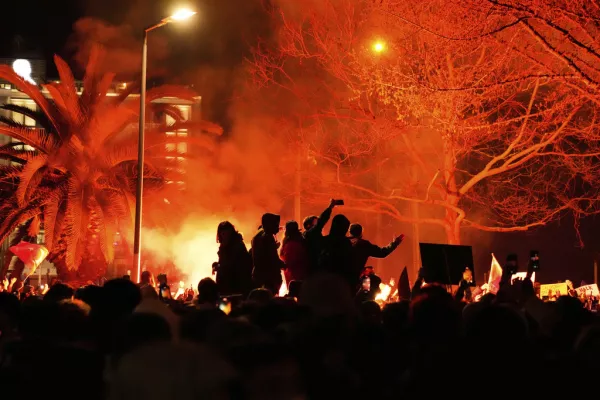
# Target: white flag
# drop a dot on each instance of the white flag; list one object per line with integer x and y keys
{"x": 495, "y": 276}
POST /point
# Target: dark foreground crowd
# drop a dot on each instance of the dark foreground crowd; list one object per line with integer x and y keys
{"x": 124, "y": 341}
{"x": 119, "y": 341}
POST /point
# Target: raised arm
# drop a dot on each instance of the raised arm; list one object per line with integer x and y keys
{"x": 382, "y": 252}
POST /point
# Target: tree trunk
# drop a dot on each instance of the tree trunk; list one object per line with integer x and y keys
{"x": 452, "y": 233}
{"x": 452, "y": 219}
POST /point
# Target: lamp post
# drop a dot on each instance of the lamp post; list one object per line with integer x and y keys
{"x": 180, "y": 15}
{"x": 378, "y": 47}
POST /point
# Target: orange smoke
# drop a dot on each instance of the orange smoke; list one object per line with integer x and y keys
{"x": 193, "y": 249}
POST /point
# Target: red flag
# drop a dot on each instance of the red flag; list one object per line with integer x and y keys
{"x": 31, "y": 254}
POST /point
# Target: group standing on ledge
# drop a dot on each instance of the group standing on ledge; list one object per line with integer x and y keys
{"x": 299, "y": 255}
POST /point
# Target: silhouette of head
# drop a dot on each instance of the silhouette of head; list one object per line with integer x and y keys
{"x": 225, "y": 231}
{"x": 356, "y": 230}
{"x": 270, "y": 223}
{"x": 339, "y": 225}
{"x": 145, "y": 278}
{"x": 309, "y": 222}
{"x": 208, "y": 292}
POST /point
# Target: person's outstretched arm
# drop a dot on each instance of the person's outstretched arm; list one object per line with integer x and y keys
{"x": 383, "y": 252}
{"x": 324, "y": 218}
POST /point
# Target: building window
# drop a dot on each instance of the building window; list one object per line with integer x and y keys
{"x": 41, "y": 237}
{"x": 20, "y": 118}
{"x": 186, "y": 112}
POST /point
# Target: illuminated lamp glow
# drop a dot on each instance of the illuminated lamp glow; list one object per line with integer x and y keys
{"x": 183, "y": 14}
{"x": 378, "y": 47}
{"x": 23, "y": 69}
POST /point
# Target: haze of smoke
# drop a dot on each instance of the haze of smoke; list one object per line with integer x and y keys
{"x": 239, "y": 182}
{"x": 123, "y": 50}
{"x": 251, "y": 172}
{"x": 193, "y": 248}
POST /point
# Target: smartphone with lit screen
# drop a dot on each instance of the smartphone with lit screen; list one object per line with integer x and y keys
{"x": 225, "y": 306}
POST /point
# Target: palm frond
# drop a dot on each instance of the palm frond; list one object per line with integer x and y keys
{"x": 39, "y": 117}
{"x": 68, "y": 90}
{"x": 109, "y": 122}
{"x": 106, "y": 229}
{"x": 29, "y": 178}
{"x": 19, "y": 215}
{"x": 102, "y": 88}
{"x": 34, "y": 226}
{"x": 11, "y": 122}
{"x": 21, "y": 234}
{"x": 8, "y": 74}
{"x": 10, "y": 152}
{"x": 90, "y": 77}
{"x": 78, "y": 218}
{"x": 72, "y": 117}
{"x": 50, "y": 215}
{"x": 36, "y": 138}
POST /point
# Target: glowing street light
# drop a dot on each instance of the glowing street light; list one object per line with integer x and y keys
{"x": 379, "y": 46}
{"x": 180, "y": 15}
{"x": 23, "y": 69}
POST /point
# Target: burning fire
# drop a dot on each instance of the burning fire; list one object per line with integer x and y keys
{"x": 384, "y": 292}
{"x": 283, "y": 290}
{"x": 193, "y": 250}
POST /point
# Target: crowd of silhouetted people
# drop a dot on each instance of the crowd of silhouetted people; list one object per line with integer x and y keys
{"x": 343, "y": 252}
{"x": 233, "y": 338}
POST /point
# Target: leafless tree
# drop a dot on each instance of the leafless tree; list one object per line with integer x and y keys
{"x": 481, "y": 113}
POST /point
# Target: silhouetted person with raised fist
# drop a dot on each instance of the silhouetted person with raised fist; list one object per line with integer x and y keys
{"x": 313, "y": 234}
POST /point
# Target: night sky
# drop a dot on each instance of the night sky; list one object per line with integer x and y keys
{"x": 205, "y": 52}
{"x": 215, "y": 48}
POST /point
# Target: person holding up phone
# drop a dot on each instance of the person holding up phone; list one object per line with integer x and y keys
{"x": 313, "y": 234}
{"x": 534, "y": 260}
{"x": 164, "y": 290}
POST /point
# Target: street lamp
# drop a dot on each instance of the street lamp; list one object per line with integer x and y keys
{"x": 179, "y": 15}
{"x": 379, "y": 46}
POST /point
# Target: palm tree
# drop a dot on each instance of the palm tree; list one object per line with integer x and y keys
{"x": 75, "y": 172}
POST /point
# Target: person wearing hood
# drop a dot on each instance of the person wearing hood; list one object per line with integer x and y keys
{"x": 336, "y": 255}
{"x": 362, "y": 249}
{"x": 266, "y": 261}
{"x": 234, "y": 269}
